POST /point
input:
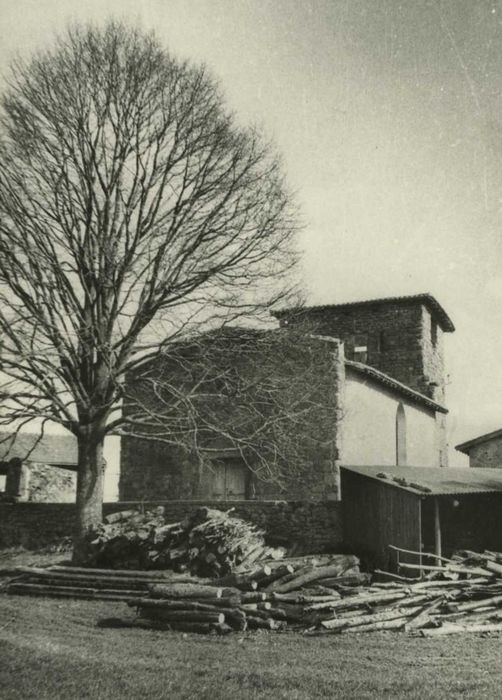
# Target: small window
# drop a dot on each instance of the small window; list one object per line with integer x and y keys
{"x": 434, "y": 332}
{"x": 361, "y": 348}
{"x": 401, "y": 457}
{"x": 381, "y": 343}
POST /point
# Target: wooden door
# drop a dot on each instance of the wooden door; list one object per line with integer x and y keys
{"x": 236, "y": 473}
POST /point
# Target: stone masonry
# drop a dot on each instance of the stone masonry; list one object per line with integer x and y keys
{"x": 403, "y": 337}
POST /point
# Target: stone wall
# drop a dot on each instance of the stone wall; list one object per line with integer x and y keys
{"x": 290, "y": 454}
{"x": 487, "y": 454}
{"x": 315, "y": 526}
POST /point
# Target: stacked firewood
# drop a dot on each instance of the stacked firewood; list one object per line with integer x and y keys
{"x": 207, "y": 543}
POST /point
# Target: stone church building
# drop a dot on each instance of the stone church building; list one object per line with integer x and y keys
{"x": 380, "y": 371}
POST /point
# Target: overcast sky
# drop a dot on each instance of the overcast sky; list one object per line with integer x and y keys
{"x": 388, "y": 115}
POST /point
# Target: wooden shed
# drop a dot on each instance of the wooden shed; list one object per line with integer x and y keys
{"x": 422, "y": 509}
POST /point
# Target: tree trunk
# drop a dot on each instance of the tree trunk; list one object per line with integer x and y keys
{"x": 89, "y": 493}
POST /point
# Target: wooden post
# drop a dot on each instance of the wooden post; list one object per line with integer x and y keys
{"x": 420, "y": 538}
{"x": 437, "y": 531}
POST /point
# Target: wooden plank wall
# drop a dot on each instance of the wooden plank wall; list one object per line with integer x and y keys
{"x": 376, "y": 515}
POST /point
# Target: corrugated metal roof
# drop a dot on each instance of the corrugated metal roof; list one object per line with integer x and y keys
{"x": 434, "y": 481}
{"x": 427, "y": 299}
{"x": 51, "y": 449}
{"x": 392, "y": 383}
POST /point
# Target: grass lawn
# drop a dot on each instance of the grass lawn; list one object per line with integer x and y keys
{"x": 52, "y": 649}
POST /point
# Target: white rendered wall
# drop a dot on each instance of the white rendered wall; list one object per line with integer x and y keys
{"x": 369, "y": 426}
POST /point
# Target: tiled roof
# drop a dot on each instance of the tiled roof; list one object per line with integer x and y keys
{"x": 427, "y": 299}
{"x": 51, "y": 449}
{"x": 392, "y": 383}
{"x": 466, "y": 446}
{"x": 434, "y": 481}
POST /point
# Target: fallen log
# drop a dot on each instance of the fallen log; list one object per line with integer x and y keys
{"x": 70, "y": 592}
{"x": 275, "y": 574}
{"x": 316, "y": 573}
{"x": 474, "y": 571}
{"x": 278, "y": 614}
{"x": 255, "y": 597}
{"x": 172, "y": 616}
{"x": 307, "y": 560}
{"x": 419, "y": 554}
{"x": 376, "y": 626}
{"x": 232, "y": 601}
{"x": 259, "y": 623}
{"x": 299, "y": 597}
{"x": 277, "y": 583}
{"x": 240, "y": 581}
{"x": 494, "y": 567}
{"x": 118, "y": 584}
{"x": 344, "y": 580}
{"x": 262, "y": 614}
{"x": 465, "y": 583}
{"x": 235, "y": 618}
{"x": 253, "y": 554}
{"x": 61, "y": 576}
{"x": 121, "y": 515}
{"x": 184, "y": 590}
{"x": 369, "y": 599}
{"x": 166, "y": 604}
{"x": 424, "y": 616}
{"x": 395, "y": 577}
{"x": 494, "y": 601}
{"x": 363, "y": 620}
{"x": 456, "y": 628}
{"x": 162, "y": 576}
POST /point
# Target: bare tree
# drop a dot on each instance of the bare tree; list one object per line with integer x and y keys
{"x": 133, "y": 211}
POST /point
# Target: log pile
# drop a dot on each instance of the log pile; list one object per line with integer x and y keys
{"x": 318, "y": 594}
{"x": 329, "y": 595}
{"x": 207, "y": 543}
{"x": 271, "y": 596}
{"x": 461, "y": 594}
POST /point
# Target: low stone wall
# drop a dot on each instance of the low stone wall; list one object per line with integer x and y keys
{"x": 314, "y": 526}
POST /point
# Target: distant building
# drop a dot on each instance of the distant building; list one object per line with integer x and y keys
{"x": 484, "y": 450}
{"x": 387, "y": 386}
{"x": 34, "y": 468}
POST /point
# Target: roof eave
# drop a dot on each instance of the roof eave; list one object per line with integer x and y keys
{"x": 444, "y": 320}
{"x": 392, "y": 383}
{"x": 486, "y": 437}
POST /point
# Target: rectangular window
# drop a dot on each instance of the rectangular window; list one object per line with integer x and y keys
{"x": 434, "y": 332}
{"x": 381, "y": 342}
{"x": 361, "y": 348}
